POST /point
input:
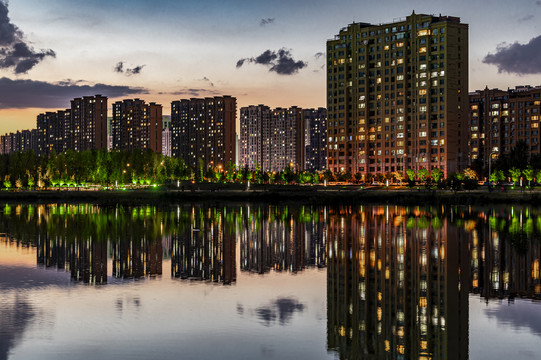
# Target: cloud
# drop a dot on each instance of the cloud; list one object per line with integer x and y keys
{"x": 319, "y": 54}
{"x": 16, "y": 317}
{"x": 192, "y": 92}
{"x": 526, "y": 18}
{"x": 136, "y": 70}
{"x": 282, "y": 309}
{"x": 538, "y": 3}
{"x": 119, "y": 68}
{"x": 520, "y": 315}
{"x": 517, "y": 58}
{"x": 15, "y": 52}
{"x": 266, "y": 21}
{"x": 279, "y": 62}
{"x": 20, "y": 94}
{"x": 206, "y": 80}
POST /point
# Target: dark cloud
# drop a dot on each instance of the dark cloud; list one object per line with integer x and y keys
{"x": 526, "y": 18}
{"x": 517, "y": 58}
{"x": 206, "y": 80}
{"x": 119, "y": 68}
{"x": 135, "y": 70}
{"x": 538, "y": 3}
{"x": 22, "y": 94}
{"x": 15, "y": 316}
{"x": 193, "y": 92}
{"x": 282, "y": 309}
{"x": 519, "y": 315}
{"x": 266, "y": 21}
{"x": 279, "y": 61}
{"x": 15, "y": 52}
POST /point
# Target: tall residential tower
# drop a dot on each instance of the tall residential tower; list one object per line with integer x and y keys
{"x": 397, "y": 96}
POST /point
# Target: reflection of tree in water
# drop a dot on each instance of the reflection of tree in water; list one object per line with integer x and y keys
{"x": 14, "y": 318}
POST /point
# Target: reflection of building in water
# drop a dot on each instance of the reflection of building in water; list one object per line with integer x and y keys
{"x": 134, "y": 258}
{"x": 505, "y": 257}
{"x": 270, "y": 240}
{"x": 396, "y": 286}
{"x": 86, "y": 260}
{"x": 206, "y": 250}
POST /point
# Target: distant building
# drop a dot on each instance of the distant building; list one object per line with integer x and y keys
{"x": 136, "y": 125}
{"x": 53, "y": 129}
{"x": 315, "y": 139}
{"x": 396, "y": 96}
{"x": 166, "y": 135}
{"x": 500, "y": 118}
{"x": 251, "y": 145}
{"x": 275, "y": 139}
{"x": 88, "y": 127}
{"x": 204, "y": 129}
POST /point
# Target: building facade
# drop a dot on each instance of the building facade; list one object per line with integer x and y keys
{"x": 88, "y": 127}
{"x": 501, "y": 118}
{"x": 315, "y": 142}
{"x": 136, "y": 125}
{"x": 272, "y": 139}
{"x": 204, "y": 129}
{"x": 396, "y": 96}
{"x": 54, "y": 132}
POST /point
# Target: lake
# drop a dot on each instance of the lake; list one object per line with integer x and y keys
{"x": 259, "y": 281}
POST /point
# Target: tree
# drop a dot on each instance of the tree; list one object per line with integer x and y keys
{"x": 515, "y": 174}
{"x": 7, "y": 182}
{"x": 411, "y": 178}
{"x": 470, "y": 174}
{"x": 423, "y": 174}
{"x": 528, "y": 174}
{"x": 437, "y": 175}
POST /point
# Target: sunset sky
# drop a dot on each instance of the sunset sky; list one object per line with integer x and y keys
{"x": 261, "y": 52}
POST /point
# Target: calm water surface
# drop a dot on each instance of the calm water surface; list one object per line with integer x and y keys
{"x": 260, "y": 281}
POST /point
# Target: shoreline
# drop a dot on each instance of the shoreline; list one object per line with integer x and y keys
{"x": 278, "y": 195}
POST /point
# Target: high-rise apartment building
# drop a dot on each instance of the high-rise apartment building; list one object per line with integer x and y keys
{"x": 204, "y": 129}
{"x": 501, "y": 118}
{"x": 272, "y": 139}
{"x": 21, "y": 141}
{"x": 89, "y": 123}
{"x": 53, "y": 130}
{"x": 397, "y": 96}
{"x": 315, "y": 125}
{"x": 136, "y": 125}
{"x": 253, "y": 121}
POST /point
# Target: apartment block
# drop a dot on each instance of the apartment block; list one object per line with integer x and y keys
{"x": 315, "y": 125}
{"x": 53, "y": 131}
{"x": 88, "y": 123}
{"x": 204, "y": 129}
{"x": 501, "y": 118}
{"x": 272, "y": 139}
{"x": 396, "y": 96}
{"x": 136, "y": 125}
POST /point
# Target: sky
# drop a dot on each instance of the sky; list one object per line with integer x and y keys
{"x": 261, "y": 52}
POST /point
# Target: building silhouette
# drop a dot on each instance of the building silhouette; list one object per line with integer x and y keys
{"x": 396, "y": 96}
